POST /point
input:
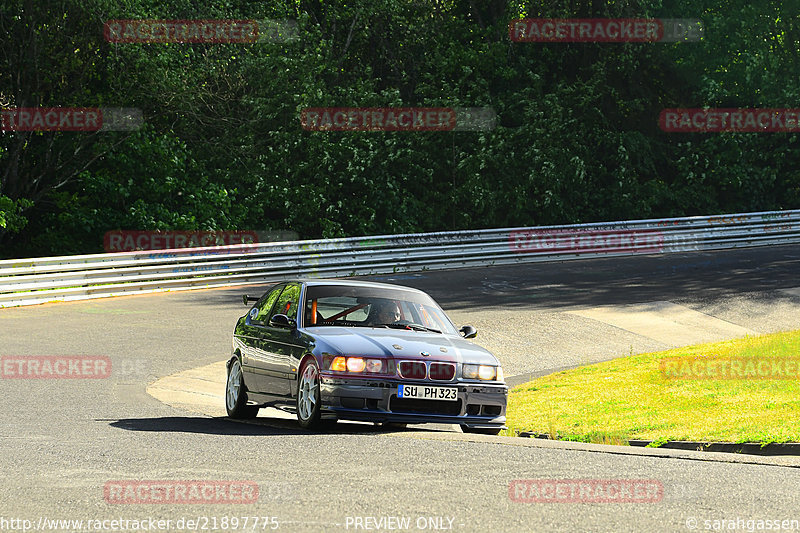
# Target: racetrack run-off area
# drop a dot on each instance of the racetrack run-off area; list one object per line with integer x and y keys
{"x": 63, "y": 441}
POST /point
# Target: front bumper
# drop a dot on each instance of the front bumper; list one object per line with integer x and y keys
{"x": 479, "y": 405}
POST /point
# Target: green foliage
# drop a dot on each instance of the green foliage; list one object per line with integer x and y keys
{"x": 11, "y": 218}
{"x": 577, "y": 138}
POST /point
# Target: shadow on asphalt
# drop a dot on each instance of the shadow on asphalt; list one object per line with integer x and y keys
{"x": 587, "y": 282}
{"x": 258, "y": 426}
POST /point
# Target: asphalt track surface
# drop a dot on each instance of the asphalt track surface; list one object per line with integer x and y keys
{"x": 62, "y": 441}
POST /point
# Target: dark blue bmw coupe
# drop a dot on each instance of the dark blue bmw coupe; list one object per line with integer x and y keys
{"x": 352, "y": 350}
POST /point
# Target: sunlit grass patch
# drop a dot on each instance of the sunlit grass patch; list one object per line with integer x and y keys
{"x": 630, "y": 398}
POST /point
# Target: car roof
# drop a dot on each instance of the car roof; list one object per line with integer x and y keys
{"x": 353, "y": 283}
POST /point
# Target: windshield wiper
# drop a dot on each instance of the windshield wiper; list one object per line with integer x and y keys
{"x": 415, "y": 327}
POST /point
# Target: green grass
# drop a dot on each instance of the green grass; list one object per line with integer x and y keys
{"x": 629, "y": 398}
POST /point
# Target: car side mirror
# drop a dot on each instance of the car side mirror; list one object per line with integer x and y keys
{"x": 247, "y": 299}
{"x": 282, "y": 321}
{"x": 469, "y": 332}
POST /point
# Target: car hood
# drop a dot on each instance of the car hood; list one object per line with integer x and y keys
{"x": 405, "y": 344}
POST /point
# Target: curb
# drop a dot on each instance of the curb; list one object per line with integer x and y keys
{"x": 750, "y": 448}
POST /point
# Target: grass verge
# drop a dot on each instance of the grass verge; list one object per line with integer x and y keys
{"x": 657, "y": 397}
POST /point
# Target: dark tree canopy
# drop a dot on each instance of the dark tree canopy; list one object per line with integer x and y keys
{"x": 221, "y": 147}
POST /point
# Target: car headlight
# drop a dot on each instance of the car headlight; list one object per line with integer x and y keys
{"x": 482, "y": 372}
{"x": 356, "y": 365}
{"x": 374, "y": 365}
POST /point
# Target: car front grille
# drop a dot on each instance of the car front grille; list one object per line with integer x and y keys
{"x": 413, "y": 370}
{"x": 442, "y": 371}
{"x": 433, "y": 407}
{"x": 422, "y": 370}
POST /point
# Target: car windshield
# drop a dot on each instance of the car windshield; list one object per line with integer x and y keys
{"x": 363, "y": 306}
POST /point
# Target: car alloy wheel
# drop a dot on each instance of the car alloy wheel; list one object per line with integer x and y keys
{"x": 235, "y": 395}
{"x": 308, "y": 396}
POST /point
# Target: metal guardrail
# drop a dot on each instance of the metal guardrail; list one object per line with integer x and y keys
{"x": 39, "y": 280}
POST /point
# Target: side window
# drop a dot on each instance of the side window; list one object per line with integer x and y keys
{"x": 259, "y": 313}
{"x": 287, "y": 303}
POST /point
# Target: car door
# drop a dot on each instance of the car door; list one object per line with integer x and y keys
{"x": 254, "y": 357}
{"x": 283, "y": 344}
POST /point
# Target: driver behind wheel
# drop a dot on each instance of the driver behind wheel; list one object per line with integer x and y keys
{"x": 385, "y": 312}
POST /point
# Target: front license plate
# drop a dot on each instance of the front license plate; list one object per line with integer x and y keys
{"x": 423, "y": 392}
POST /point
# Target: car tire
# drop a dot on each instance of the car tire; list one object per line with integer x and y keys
{"x": 308, "y": 396}
{"x": 236, "y": 393}
{"x": 481, "y": 431}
